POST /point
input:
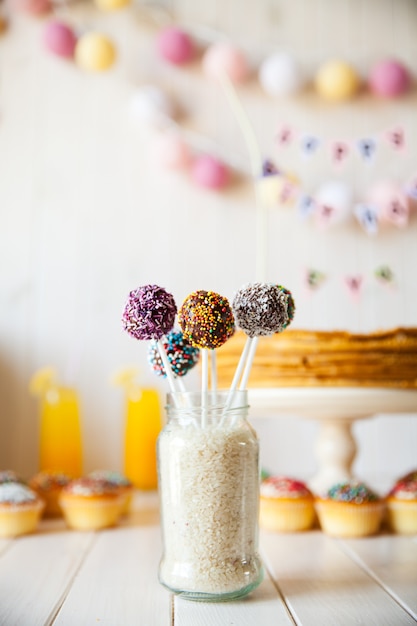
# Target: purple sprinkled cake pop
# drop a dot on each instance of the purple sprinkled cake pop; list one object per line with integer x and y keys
{"x": 261, "y": 309}
{"x": 182, "y": 356}
{"x": 149, "y": 312}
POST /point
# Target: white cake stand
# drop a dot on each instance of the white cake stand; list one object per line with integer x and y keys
{"x": 336, "y": 408}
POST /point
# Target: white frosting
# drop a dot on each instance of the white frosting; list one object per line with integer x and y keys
{"x": 16, "y": 493}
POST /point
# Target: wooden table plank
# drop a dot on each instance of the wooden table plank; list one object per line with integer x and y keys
{"x": 35, "y": 573}
{"x": 117, "y": 585}
{"x": 263, "y": 607}
{"x": 322, "y": 585}
{"x": 392, "y": 561}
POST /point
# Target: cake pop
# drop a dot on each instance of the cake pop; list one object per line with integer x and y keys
{"x": 206, "y": 319}
{"x": 182, "y": 356}
{"x": 149, "y": 312}
{"x": 290, "y": 305}
{"x": 261, "y": 309}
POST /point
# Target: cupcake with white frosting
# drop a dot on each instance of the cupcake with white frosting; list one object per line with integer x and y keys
{"x": 20, "y": 509}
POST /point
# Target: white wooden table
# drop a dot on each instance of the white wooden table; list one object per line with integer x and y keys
{"x": 69, "y": 578}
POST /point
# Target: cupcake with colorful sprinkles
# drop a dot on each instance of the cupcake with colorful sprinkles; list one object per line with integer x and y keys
{"x": 48, "y": 486}
{"x": 121, "y": 482}
{"x": 20, "y": 509}
{"x": 91, "y": 503}
{"x": 402, "y": 505}
{"x": 350, "y": 509}
{"x": 286, "y": 505}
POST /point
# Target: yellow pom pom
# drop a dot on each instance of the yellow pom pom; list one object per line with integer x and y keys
{"x": 94, "y": 52}
{"x": 337, "y": 81}
{"x": 111, "y": 5}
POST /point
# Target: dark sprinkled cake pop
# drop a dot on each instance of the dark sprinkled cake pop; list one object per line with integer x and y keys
{"x": 206, "y": 319}
{"x": 290, "y": 305}
{"x": 149, "y": 312}
{"x": 261, "y": 309}
{"x": 182, "y": 356}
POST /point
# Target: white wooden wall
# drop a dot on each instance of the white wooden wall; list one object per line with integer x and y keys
{"x": 87, "y": 215}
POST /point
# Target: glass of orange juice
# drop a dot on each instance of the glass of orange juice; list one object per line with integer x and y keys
{"x": 60, "y": 429}
{"x": 143, "y": 423}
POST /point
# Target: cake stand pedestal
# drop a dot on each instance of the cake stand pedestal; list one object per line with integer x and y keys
{"x": 336, "y": 409}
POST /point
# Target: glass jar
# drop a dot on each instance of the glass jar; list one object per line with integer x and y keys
{"x": 208, "y": 471}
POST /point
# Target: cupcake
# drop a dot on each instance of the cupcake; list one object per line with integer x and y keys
{"x": 285, "y": 505}
{"x": 402, "y": 505}
{"x": 350, "y": 510}
{"x": 9, "y": 476}
{"x": 91, "y": 504}
{"x": 48, "y": 486}
{"x": 123, "y": 484}
{"x": 20, "y": 509}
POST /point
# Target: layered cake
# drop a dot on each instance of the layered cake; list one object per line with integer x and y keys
{"x": 306, "y": 358}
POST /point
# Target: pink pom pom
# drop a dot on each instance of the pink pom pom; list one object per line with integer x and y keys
{"x": 210, "y": 173}
{"x": 223, "y": 58}
{"x": 171, "y": 151}
{"x": 389, "y": 78}
{"x": 175, "y": 46}
{"x": 33, "y": 7}
{"x": 60, "y": 39}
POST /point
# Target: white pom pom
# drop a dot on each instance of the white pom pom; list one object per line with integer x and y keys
{"x": 151, "y": 106}
{"x": 279, "y": 75}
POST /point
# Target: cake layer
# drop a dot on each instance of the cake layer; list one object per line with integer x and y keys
{"x": 297, "y": 358}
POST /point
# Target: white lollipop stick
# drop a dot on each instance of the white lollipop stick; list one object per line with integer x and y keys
{"x": 238, "y": 373}
{"x": 204, "y": 386}
{"x": 167, "y": 368}
{"x": 213, "y": 360}
{"x": 249, "y": 361}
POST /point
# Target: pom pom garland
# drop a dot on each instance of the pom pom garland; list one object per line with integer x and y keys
{"x": 337, "y": 81}
{"x": 209, "y": 172}
{"x": 149, "y": 313}
{"x": 94, "y": 52}
{"x": 60, "y": 39}
{"x": 224, "y": 59}
{"x": 279, "y": 75}
{"x": 389, "y": 79}
{"x": 175, "y": 46}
